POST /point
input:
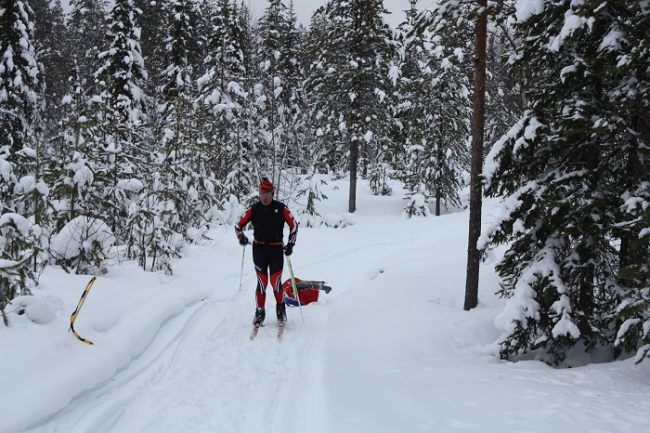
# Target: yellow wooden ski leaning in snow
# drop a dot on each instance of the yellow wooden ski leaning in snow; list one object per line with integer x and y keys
{"x": 87, "y": 288}
{"x": 74, "y": 315}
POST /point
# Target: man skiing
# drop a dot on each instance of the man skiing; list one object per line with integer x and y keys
{"x": 268, "y": 217}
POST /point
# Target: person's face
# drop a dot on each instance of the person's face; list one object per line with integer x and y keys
{"x": 266, "y": 198}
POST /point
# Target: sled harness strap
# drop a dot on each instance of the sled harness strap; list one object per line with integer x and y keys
{"x": 275, "y": 244}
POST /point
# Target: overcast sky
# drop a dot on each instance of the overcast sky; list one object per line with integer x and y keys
{"x": 305, "y": 8}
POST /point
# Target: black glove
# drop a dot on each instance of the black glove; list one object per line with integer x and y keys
{"x": 243, "y": 240}
{"x": 288, "y": 249}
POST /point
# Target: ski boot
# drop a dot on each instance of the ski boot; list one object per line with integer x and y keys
{"x": 259, "y": 316}
{"x": 281, "y": 312}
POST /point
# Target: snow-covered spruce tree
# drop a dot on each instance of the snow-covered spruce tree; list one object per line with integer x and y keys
{"x": 241, "y": 177}
{"x": 326, "y": 156}
{"x": 348, "y": 83}
{"x": 565, "y": 170}
{"x": 71, "y": 171}
{"x": 246, "y": 40}
{"x": 199, "y": 15}
{"x": 80, "y": 241}
{"x": 87, "y": 27}
{"x": 154, "y": 224}
{"x": 181, "y": 183}
{"x": 503, "y": 99}
{"x": 434, "y": 111}
{"x": 625, "y": 40}
{"x": 124, "y": 161}
{"x": 379, "y": 174}
{"x": 53, "y": 47}
{"x": 221, "y": 94}
{"x": 152, "y": 21}
{"x": 21, "y": 190}
{"x": 312, "y": 191}
{"x": 271, "y": 88}
{"x": 293, "y": 99}
{"x": 247, "y": 168}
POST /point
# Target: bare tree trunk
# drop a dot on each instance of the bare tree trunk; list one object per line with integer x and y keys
{"x": 478, "y": 126}
{"x": 273, "y": 133}
{"x": 439, "y": 155}
{"x": 354, "y": 162}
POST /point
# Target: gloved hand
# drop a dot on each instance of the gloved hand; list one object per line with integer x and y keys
{"x": 243, "y": 240}
{"x": 288, "y": 249}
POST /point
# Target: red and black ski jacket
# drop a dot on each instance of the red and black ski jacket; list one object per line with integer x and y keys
{"x": 268, "y": 222}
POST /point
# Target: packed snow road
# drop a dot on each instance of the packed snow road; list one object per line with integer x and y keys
{"x": 201, "y": 372}
{"x": 388, "y": 351}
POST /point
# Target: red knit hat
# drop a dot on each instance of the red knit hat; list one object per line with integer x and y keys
{"x": 266, "y": 185}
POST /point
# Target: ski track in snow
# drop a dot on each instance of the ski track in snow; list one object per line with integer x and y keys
{"x": 388, "y": 351}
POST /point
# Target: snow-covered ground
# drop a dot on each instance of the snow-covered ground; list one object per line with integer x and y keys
{"x": 388, "y": 350}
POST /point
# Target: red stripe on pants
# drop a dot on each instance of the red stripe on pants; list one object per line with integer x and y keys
{"x": 262, "y": 280}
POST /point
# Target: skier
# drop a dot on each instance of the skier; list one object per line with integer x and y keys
{"x": 268, "y": 217}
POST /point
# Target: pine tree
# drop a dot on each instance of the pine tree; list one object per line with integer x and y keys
{"x": 87, "y": 25}
{"x": 310, "y": 216}
{"x": 349, "y": 83}
{"x": 327, "y": 155}
{"x": 123, "y": 120}
{"x": 69, "y": 173}
{"x": 152, "y": 19}
{"x": 625, "y": 40}
{"x": 221, "y": 98}
{"x": 246, "y": 41}
{"x": 52, "y": 43}
{"x": 565, "y": 170}
{"x": 434, "y": 112}
{"x": 271, "y": 87}
{"x": 181, "y": 187}
{"x": 293, "y": 100}
{"x": 21, "y": 191}
{"x": 504, "y": 101}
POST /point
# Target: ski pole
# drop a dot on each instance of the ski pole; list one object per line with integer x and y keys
{"x": 295, "y": 289}
{"x": 241, "y": 273}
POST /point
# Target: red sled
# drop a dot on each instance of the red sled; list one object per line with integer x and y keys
{"x": 308, "y": 292}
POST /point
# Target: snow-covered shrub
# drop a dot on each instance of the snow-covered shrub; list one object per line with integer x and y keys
{"x": 416, "y": 206}
{"x": 379, "y": 175}
{"x": 338, "y": 221}
{"x": 230, "y": 212}
{"x": 18, "y": 238}
{"x": 309, "y": 216}
{"x": 82, "y": 244}
{"x": 634, "y": 315}
{"x": 307, "y": 220}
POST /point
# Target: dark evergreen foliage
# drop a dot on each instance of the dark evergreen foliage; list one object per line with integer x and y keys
{"x": 572, "y": 195}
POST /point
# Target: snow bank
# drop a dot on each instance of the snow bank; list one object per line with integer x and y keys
{"x": 35, "y": 308}
{"x": 43, "y": 367}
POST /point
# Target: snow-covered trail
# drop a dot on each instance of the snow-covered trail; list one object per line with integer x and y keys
{"x": 201, "y": 372}
{"x": 389, "y": 350}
